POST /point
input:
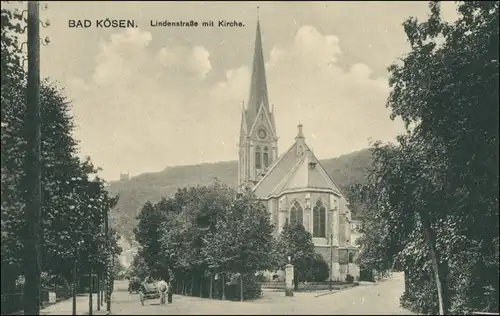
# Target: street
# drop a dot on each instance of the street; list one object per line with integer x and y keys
{"x": 381, "y": 298}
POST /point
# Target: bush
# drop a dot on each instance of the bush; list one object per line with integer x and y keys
{"x": 251, "y": 288}
{"x": 320, "y": 271}
{"x": 349, "y": 278}
{"x": 261, "y": 278}
{"x": 416, "y": 297}
{"x": 366, "y": 274}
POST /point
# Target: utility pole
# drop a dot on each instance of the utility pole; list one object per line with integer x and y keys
{"x": 331, "y": 261}
{"x": 33, "y": 260}
{"x": 108, "y": 269}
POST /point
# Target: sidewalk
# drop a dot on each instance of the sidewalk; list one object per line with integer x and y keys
{"x": 82, "y": 307}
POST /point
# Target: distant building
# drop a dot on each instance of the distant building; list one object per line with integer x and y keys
{"x": 124, "y": 176}
{"x": 294, "y": 186}
{"x": 356, "y": 225}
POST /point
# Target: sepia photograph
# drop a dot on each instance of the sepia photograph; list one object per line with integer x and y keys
{"x": 250, "y": 158}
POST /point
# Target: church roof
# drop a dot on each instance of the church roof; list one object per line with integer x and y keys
{"x": 297, "y": 169}
{"x": 258, "y": 84}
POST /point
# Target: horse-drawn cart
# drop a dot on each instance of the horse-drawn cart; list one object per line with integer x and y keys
{"x": 149, "y": 291}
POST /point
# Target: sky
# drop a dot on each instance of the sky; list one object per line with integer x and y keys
{"x": 146, "y": 98}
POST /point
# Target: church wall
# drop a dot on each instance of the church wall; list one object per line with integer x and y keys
{"x": 274, "y": 213}
{"x": 331, "y": 257}
{"x": 344, "y": 225}
{"x": 279, "y": 210}
{"x": 291, "y": 198}
{"x": 248, "y": 161}
{"x": 282, "y": 212}
{"x": 308, "y": 201}
{"x": 342, "y": 230}
{"x": 325, "y": 198}
{"x": 324, "y": 251}
{"x": 348, "y": 227}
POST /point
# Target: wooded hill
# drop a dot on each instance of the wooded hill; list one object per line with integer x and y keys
{"x": 345, "y": 170}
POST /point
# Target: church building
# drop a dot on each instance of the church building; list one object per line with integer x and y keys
{"x": 294, "y": 186}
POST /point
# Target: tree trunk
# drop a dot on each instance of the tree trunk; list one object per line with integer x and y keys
{"x": 211, "y": 284}
{"x": 102, "y": 289}
{"x": 241, "y": 287}
{"x": 192, "y": 286}
{"x": 98, "y": 292}
{"x": 223, "y": 287}
{"x": 55, "y": 285}
{"x": 407, "y": 280}
{"x": 74, "y": 288}
{"x": 91, "y": 285}
{"x": 437, "y": 267}
{"x": 201, "y": 287}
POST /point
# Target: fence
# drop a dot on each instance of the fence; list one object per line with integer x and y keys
{"x": 233, "y": 287}
{"x": 13, "y": 302}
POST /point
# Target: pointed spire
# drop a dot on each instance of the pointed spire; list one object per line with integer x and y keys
{"x": 300, "y": 134}
{"x": 258, "y": 89}
{"x": 243, "y": 126}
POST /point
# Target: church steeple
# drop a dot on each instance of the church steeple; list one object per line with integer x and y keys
{"x": 258, "y": 147}
{"x": 258, "y": 84}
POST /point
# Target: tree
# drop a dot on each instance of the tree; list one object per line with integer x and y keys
{"x": 433, "y": 197}
{"x": 13, "y": 80}
{"x": 147, "y": 234}
{"x": 118, "y": 269}
{"x": 377, "y": 252}
{"x": 205, "y": 230}
{"x": 319, "y": 269}
{"x": 295, "y": 242}
{"x": 197, "y": 212}
{"x": 242, "y": 240}
{"x": 74, "y": 200}
{"x": 139, "y": 267}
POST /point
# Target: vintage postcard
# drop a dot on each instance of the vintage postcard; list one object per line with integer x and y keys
{"x": 249, "y": 157}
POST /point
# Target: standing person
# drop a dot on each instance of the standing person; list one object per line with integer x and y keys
{"x": 163, "y": 288}
{"x": 142, "y": 291}
{"x": 170, "y": 290}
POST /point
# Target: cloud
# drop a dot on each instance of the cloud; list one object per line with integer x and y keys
{"x": 341, "y": 107}
{"x": 194, "y": 60}
{"x": 145, "y": 108}
{"x": 121, "y": 56}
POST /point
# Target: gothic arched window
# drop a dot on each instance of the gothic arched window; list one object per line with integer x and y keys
{"x": 258, "y": 163}
{"x": 319, "y": 220}
{"x": 266, "y": 157}
{"x": 296, "y": 213}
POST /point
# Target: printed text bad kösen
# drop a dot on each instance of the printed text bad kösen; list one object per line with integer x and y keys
{"x": 104, "y": 23}
{"x": 114, "y": 23}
